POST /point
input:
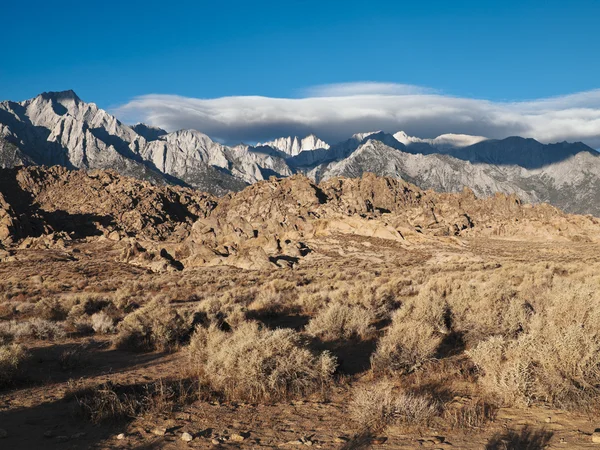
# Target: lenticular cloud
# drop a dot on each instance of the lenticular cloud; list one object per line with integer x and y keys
{"x": 334, "y": 112}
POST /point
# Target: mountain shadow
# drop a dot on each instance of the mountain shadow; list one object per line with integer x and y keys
{"x": 523, "y": 152}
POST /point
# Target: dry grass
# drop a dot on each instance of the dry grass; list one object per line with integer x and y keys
{"x": 156, "y": 326}
{"x": 102, "y": 323}
{"x": 406, "y": 346}
{"x": 377, "y": 405}
{"x": 11, "y": 360}
{"x": 555, "y": 358}
{"x": 33, "y": 328}
{"x": 109, "y": 403}
{"x": 255, "y": 364}
{"x": 339, "y": 321}
{"x": 472, "y": 415}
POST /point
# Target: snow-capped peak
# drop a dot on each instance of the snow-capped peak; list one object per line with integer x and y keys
{"x": 293, "y": 145}
{"x": 405, "y": 139}
{"x": 442, "y": 142}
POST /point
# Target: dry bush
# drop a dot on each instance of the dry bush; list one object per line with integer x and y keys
{"x": 556, "y": 359}
{"x": 256, "y": 364}
{"x": 376, "y": 406}
{"x": 371, "y": 295}
{"x": 407, "y": 344}
{"x": 220, "y": 313}
{"x": 51, "y": 309}
{"x": 102, "y": 323}
{"x": 312, "y": 302}
{"x": 11, "y": 360}
{"x": 373, "y": 406}
{"x": 33, "y": 328}
{"x": 338, "y": 321}
{"x": 91, "y": 313}
{"x": 110, "y": 403}
{"x": 156, "y": 326}
{"x": 472, "y": 415}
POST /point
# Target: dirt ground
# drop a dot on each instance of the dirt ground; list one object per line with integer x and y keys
{"x": 37, "y": 412}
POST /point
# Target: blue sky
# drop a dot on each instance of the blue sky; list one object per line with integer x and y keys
{"x": 109, "y": 51}
{"x": 114, "y": 52}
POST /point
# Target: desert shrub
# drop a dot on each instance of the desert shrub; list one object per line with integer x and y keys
{"x": 473, "y": 414}
{"x": 256, "y": 364}
{"x": 377, "y": 405}
{"x": 155, "y": 326}
{"x": 50, "y": 309}
{"x": 507, "y": 370}
{"x": 559, "y": 366}
{"x": 33, "y": 328}
{"x": 556, "y": 356}
{"x": 373, "y": 406}
{"x": 339, "y": 321}
{"x": 11, "y": 360}
{"x": 407, "y": 344}
{"x": 88, "y": 306}
{"x": 221, "y": 312}
{"x": 312, "y": 302}
{"x": 110, "y": 403}
{"x": 102, "y": 323}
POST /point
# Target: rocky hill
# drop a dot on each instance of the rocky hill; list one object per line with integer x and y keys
{"x": 278, "y": 222}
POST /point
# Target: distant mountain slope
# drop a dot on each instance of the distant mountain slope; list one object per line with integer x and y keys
{"x": 527, "y": 153}
{"x": 58, "y": 128}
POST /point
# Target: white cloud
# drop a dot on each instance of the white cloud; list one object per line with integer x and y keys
{"x": 338, "y": 111}
{"x": 364, "y": 88}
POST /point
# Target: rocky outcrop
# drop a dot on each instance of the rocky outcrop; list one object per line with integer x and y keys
{"x": 278, "y": 221}
{"x": 8, "y": 222}
{"x": 274, "y": 223}
{"x": 99, "y": 203}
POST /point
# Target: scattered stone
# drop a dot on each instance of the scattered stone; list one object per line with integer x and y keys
{"x": 3, "y": 433}
{"x": 379, "y": 440}
{"x": 215, "y": 441}
{"x": 114, "y": 236}
{"x": 159, "y": 431}
{"x": 596, "y": 436}
{"x": 548, "y": 419}
{"x": 187, "y": 437}
{"x": 238, "y": 437}
{"x": 438, "y": 439}
{"x": 341, "y": 439}
{"x": 121, "y": 436}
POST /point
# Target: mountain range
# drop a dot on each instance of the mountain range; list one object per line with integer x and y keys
{"x": 58, "y": 128}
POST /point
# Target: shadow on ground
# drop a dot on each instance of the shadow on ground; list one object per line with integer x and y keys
{"x": 524, "y": 439}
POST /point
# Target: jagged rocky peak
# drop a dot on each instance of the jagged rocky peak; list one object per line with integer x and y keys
{"x": 148, "y": 132}
{"x": 60, "y": 96}
{"x": 293, "y": 145}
